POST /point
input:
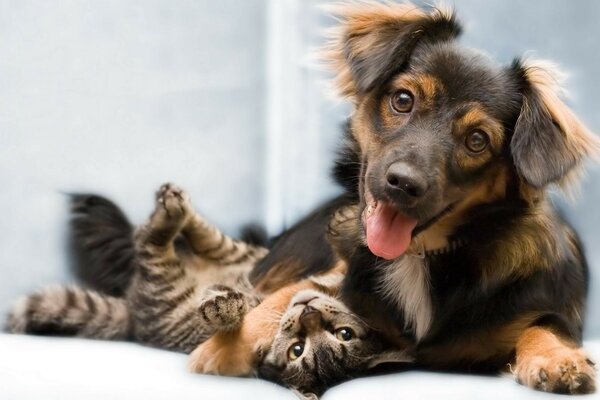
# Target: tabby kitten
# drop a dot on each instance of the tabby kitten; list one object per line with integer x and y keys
{"x": 321, "y": 343}
{"x": 191, "y": 281}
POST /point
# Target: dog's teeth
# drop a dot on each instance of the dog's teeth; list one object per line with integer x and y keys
{"x": 371, "y": 207}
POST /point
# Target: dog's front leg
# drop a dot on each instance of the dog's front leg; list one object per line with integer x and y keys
{"x": 550, "y": 362}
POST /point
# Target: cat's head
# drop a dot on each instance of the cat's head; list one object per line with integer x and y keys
{"x": 320, "y": 343}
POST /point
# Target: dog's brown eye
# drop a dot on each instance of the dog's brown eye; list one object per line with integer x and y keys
{"x": 344, "y": 334}
{"x": 295, "y": 350}
{"x": 477, "y": 141}
{"x": 402, "y": 101}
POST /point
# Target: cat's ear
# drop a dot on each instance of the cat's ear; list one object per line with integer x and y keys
{"x": 390, "y": 356}
{"x": 305, "y": 396}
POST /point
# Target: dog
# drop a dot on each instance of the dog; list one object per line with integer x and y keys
{"x": 448, "y": 236}
{"x": 448, "y": 158}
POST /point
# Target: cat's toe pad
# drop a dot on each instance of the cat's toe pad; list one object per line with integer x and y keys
{"x": 224, "y": 310}
{"x": 174, "y": 201}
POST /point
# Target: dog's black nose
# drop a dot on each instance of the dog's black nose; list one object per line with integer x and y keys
{"x": 405, "y": 180}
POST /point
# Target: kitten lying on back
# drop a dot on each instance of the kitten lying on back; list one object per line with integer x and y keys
{"x": 185, "y": 291}
{"x": 182, "y": 292}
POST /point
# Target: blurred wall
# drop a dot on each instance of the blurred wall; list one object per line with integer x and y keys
{"x": 117, "y": 97}
{"x": 221, "y": 96}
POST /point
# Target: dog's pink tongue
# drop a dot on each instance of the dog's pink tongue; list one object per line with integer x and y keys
{"x": 388, "y": 232}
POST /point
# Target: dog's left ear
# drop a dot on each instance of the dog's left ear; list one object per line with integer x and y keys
{"x": 549, "y": 141}
{"x": 374, "y": 40}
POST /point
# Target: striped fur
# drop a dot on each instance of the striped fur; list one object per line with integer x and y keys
{"x": 190, "y": 281}
{"x": 73, "y": 311}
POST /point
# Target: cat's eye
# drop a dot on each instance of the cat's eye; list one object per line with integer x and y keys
{"x": 344, "y": 334}
{"x": 402, "y": 101}
{"x": 295, "y": 350}
{"x": 477, "y": 141}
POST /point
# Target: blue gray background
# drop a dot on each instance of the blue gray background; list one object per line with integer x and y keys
{"x": 219, "y": 96}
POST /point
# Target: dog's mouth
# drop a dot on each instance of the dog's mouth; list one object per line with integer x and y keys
{"x": 389, "y": 232}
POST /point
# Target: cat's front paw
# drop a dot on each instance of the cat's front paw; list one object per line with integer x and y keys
{"x": 223, "y": 308}
{"x": 563, "y": 371}
{"x": 173, "y": 202}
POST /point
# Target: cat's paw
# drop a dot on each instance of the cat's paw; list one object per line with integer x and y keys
{"x": 223, "y": 308}
{"x": 564, "y": 371}
{"x": 173, "y": 202}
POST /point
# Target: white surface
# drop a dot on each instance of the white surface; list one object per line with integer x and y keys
{"x": 59, "y": 368}
{"x": 419, "y": 385}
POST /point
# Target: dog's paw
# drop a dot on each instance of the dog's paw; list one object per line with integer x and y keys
{"x": 173, "y": 202}
{"x": 223, "y": 308}
{"x": 563, "y": 371}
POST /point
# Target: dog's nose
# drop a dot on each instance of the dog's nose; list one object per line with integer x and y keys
{"x": 406, "y": 180}
{"x": 311, "y": 318}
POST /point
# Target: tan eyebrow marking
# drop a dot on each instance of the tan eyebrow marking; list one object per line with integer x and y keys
{"x": 477, "y": 118}
{"x": 424, "y": 86}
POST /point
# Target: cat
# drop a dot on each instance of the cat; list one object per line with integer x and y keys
{"x": 191, "y": 283}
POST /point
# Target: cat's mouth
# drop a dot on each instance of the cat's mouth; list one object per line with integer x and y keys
{"x": 304, "y": 298}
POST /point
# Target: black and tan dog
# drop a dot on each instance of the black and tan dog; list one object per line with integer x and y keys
{"x": 453, "y": 241}
{"x": 449, "y": 238}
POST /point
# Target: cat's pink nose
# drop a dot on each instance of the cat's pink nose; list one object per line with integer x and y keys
{"x": 311, "y": 319}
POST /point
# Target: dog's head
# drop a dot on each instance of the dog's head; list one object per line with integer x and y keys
{"x": 438, "y": 128}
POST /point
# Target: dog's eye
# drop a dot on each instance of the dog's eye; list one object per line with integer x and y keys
{"x": 295, "y": 350}
{"x": 477, "y": 141}
{"x": 344, "y": 334}
{"x": 402, "y": 101}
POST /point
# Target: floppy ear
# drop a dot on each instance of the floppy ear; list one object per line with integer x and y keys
{"x": 375, "y": 39}
{"x": 390, "y": 356}
{"x": 549, "y": 141}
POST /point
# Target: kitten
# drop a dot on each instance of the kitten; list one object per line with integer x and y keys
{"x": 191, "y": 281}
{"x": 320, "y": 343}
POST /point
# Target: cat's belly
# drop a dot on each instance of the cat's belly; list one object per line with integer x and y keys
{"x": 204, "y": 274}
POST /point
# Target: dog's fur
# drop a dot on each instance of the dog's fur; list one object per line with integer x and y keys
{"x": 493, "y": 274}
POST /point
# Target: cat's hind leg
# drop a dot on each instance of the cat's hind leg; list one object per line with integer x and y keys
{"x": 156, "y": 237}
{"x": 163, "y": 297}
{"x": 210, "y": 243}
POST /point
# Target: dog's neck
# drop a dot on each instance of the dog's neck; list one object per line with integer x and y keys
{"x": 421, "y": 250}
{"x": 439, "y": 238}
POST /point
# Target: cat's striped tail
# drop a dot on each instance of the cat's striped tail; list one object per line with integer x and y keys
{"x": 70, "y": 311}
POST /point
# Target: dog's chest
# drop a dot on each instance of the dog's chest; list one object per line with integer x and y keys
{"x": 406, "y": 284}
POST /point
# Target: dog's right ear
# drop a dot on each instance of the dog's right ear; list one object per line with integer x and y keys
{"x": 374, "y": 40}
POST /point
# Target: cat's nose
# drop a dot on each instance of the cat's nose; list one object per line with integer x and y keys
{"x": 305, "y": 301}
{"x": 311, "y": 319}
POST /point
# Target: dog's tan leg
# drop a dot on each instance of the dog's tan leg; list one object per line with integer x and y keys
{"x": 551, "y": 363}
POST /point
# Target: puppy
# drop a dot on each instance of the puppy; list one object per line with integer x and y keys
{"x": 447, "y": 160}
